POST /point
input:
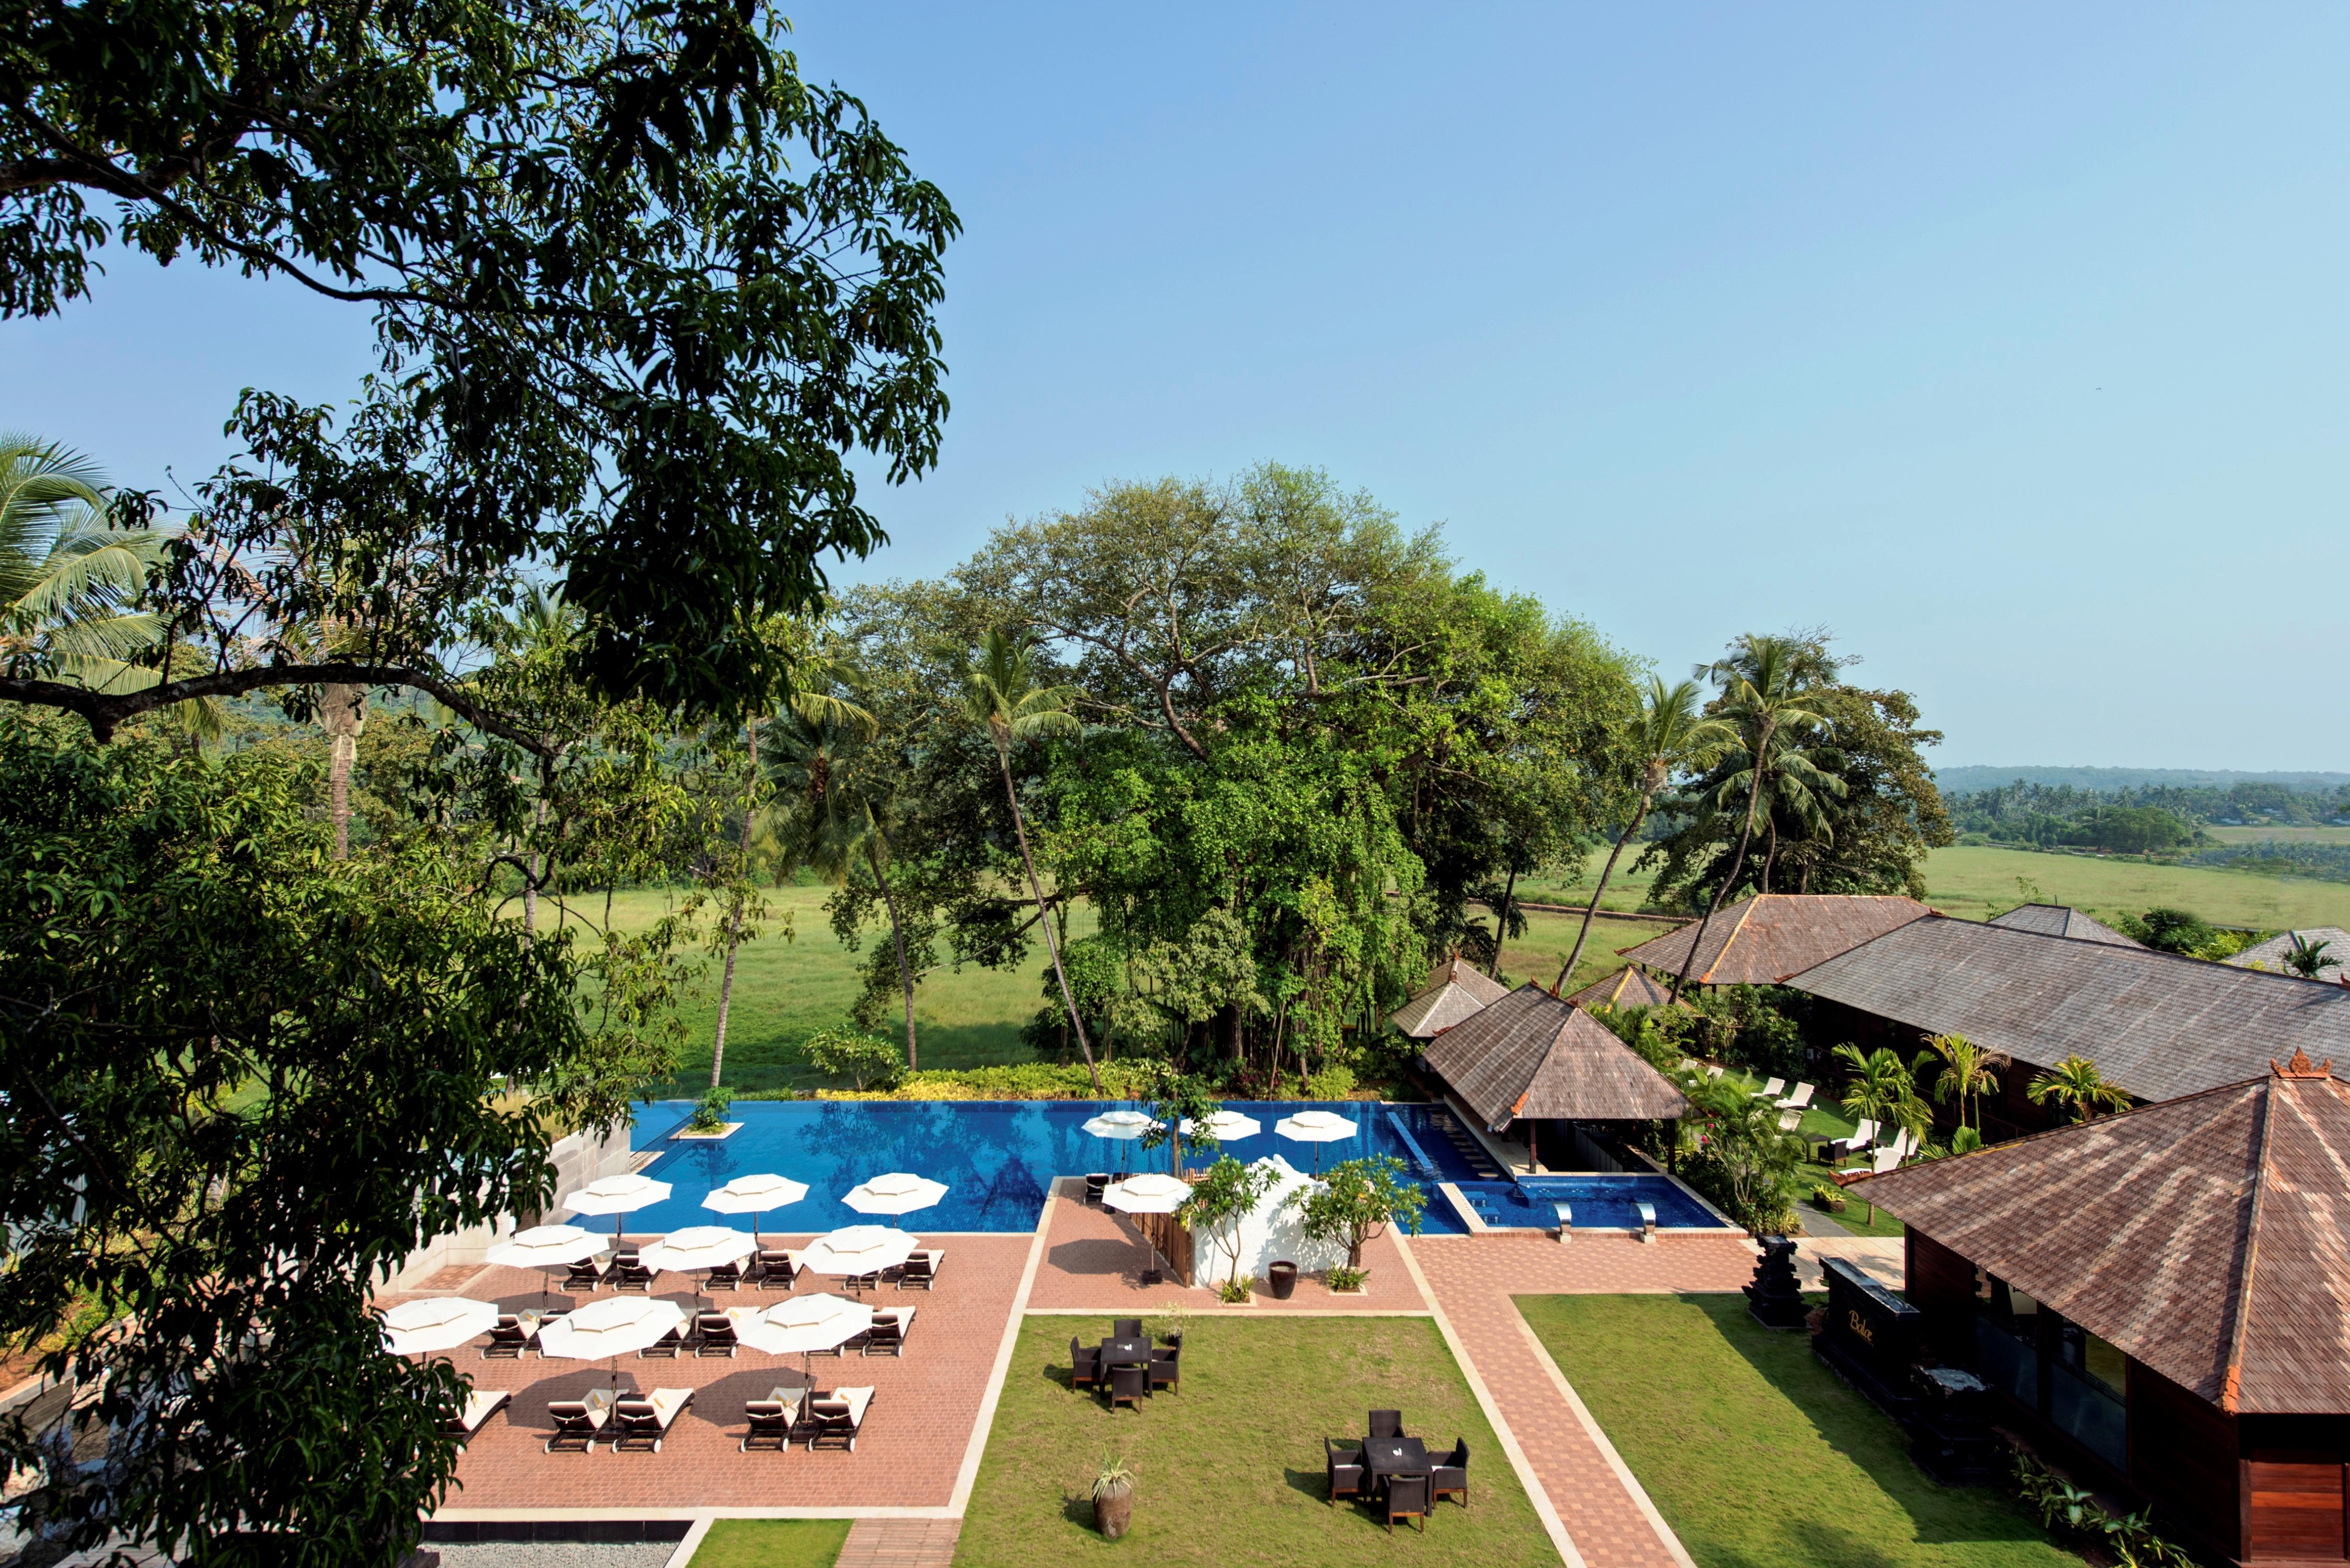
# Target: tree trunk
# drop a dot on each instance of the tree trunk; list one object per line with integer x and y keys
{"x": 1737, "y": 862}
{"x": 530, "y": 888}
{"x": 1501, "y": 919}
{"x": 1770, "y": 855}
{"x": 734, "y": 915}
{"x": 342, "y": 713}
{"x": 898, "y": 940}
{"x": 1044, "y": 918}
{"x": 1592, "y": 908}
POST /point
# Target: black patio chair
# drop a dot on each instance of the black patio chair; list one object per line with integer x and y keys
{"x": 1085, "y": 1364}
{"x": 1167, "y": 1368}
{"x": 1125, "y": 1328}
{"x": 1344, "y": 1469}
{"x": 1406, "y": 1498}
{"x": 1129, "y": 1384}
{"x": 1387, "y": 1424}
{"x": 1452, "y": 1475}
{"x": 1096, "y": 1184}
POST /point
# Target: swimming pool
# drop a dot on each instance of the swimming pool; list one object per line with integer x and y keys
{"x": 998, "y": 1158}
{"x": 1599, "y": 1203}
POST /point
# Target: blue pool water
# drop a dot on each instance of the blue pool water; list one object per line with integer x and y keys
{"x": 1600, "y": 1202}
{"x": 998, "y": 1158}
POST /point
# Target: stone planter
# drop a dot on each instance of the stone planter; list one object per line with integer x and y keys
{"x": 1283, "y": 1279}
{"x": 1113, "y": 1511}
{"x": 728, "y": 1130}
{"x": 1362, "y": 1290}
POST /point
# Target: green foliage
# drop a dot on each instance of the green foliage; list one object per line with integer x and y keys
{"x": 1217, "y": 1201}
{"x": 1753, "y": 1026}
{"x": 278, "y": 1074}
{"x": 1112, "y": 1476}
{"x": 1743, "y": 1163}
{"x": 1180, "y": 1106}
{"x": 2076, "y": 1085}
{"x": 1233, "y": 1292}
{"x": 1332, "y": 1083}
{"x": 2073, "y": 1511}
{"x": 867, "y": 1063}
{"x": 709, "y": 1110}
{"x": 1964, "y": 1071}
{"x": 1965, "y": 1140}
{"x": 1345, "y": 1279}
{"x": 1828, "y": 1199}
{"x": 1880, "y": 1089}
{"x": 1018, "y": 1081}
{"x": 2169, "y": 931}
{"x": 1355, "y": 1200}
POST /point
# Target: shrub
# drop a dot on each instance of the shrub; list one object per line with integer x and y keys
{"x": 1332, "y": 1083}
{"x": 863, "y": 1060}
{"x": 1355, "y": 1200}
{"x": 1345, "y": 1279}
{"x": 1015, "y": 1081}
{"x": 709, "y": 1111}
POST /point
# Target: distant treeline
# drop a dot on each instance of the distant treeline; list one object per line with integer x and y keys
{"x": 2107, "y": 781}
{"x": 2330, "y": 862}
{"x": 2133, "y": 821}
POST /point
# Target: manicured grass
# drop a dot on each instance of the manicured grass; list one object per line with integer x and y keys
{"x": 1229, "y": 1470}
{"x": 772, "y": 1543}
{"x": 1758, "y": 1456}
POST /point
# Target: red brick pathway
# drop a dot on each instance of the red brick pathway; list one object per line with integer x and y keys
{"x": 1093, "y": 1259}
{"x": 1473, "y": 1278}
{"x": 924, "y": 1406}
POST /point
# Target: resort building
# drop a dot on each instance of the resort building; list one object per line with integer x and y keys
{"x": 1538, "y": 1069}
{"x": 2156, "y": 1024}
{"x": 1627, "y": 987}
{"x": 1764, "y": 939}
{"x": 2062, "y": 920}
{"x": 2160, "y": 1300}
{"x": 2334, "y": 962}
{"x": 1456, "y": 991}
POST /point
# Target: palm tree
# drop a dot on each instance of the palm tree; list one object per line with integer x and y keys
{"x": 2076, "y": 1083}
{"x": 1000, "y": 694}
{"x": 1668, "y": 734}
{"x": 1880, "y": 1089}
{"x": 1968, "y": 1070}
{"x": 2310, "y": 960}
{"x": 1763, "y": 703}
{"x": 69, "y": 580}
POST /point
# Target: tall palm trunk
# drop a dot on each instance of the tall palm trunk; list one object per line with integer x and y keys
{"x": 1501, "y": 919}
{"x": 897, "y": 936}
{"x": 1737, "y": 864}
{"x": 1044, "y": 915}
{"x": 1591, "y": 909}
{"x": 734, "y": 915}
{"x": 1770, "y": 855}
{"x": 342, "y": 710}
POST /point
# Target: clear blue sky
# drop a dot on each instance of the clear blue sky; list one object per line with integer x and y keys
{"x": 2008, "y": 342}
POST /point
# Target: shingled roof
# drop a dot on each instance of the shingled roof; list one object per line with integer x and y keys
{"x": 1764, "y": 939}
{"x": 2062, "y": 920}
{"x": 2270, "y": 954}
{"x": 1533, "y": 1055}
{"x": 1627, "y": 987}
{"x": 2157, "y": 1025}
{"x": 2204, "y": 1236}
{"x": 1456, "y": 992}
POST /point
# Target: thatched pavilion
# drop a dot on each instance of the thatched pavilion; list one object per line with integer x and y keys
{"x": 1535, "y": 1066}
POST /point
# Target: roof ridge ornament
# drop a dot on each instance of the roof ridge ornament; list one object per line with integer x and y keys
{"x": 2300, "y": 1068}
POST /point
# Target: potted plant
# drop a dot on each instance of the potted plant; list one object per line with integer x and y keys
{"x": 1355, "y": 1201}
{"x": 1113, "y": 1496}
{"x": 1828, "y": 1199}
{"x": 1179, "y": 1317}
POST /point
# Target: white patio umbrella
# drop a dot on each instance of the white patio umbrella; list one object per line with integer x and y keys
{"x": 899, "y": 1192}
{"x": 1227, "y": 1126}
{"x": 804, "y": 1324}
{"x": 1153, "y": 1192}
{"x": 755, "y": 1194}
{"x": 547, "y": 1247}
{"x": 1122, "y": 1127}
{"x": 616, "y": 1196}
{"x": 611, "y": 1328}
{"x": 438, "y": 1322}
{"x": 858, "y": 1250}
{"x": 698, "y": 1248}
{"x": 1315, "y": 1127}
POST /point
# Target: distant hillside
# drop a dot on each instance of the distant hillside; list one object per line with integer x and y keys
{"x": 1964, "y": 780}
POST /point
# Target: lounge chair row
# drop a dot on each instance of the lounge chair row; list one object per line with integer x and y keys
{"x": 774, "y": 1268}
{"x": 707, "y": 1333}
{"x": 790, "y": 1414}
{"x": 621, "y": 1423}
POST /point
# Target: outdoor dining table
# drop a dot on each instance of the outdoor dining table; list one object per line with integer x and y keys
{"x": 1384, "y": 1456}
{"x": 1125, "y": 1352}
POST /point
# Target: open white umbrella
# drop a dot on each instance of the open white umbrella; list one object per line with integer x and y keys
{"x": 547, "y": 1247}
{"x": 899, "y": 1192}
{"x": 1227, "y": 1126}
{"x": 438, "y": 1322}
{"x": 1315, "y": 1127}
{"x": 755, "y": 1194}
{"x": 1121, "y": 1126}
{"x": 697, "y": 1249}
{"x": 611, "y": 1328}
{"x": 616, "y": 1196}
{"x": 858, "y": 1250}
{"x": 804, "y": 1324}
{"x": 1153, "y": 1192}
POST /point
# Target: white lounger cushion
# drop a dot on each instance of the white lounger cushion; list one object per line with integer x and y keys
{"x": 1801, "y": 1097}
{"x": 480, "y": 1405}
{"x": 668, "y": 1403}
{"x": 857, "y": 1399}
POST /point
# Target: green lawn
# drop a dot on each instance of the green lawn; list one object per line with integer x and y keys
{"x": 1757, "y": 1455}
{"x": 1229, "y": 1470}
{"x": 772, "y": 1543}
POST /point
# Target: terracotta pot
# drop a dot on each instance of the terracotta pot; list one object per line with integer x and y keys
{"x": 1113, "y": 1511}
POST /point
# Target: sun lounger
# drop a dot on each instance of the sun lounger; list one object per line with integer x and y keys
{"x": 771, "y": 1420}
{"x": 508, "y": 1340}
{"x": 1095, "y": 1185}
{"x": 1885, "y": 1159}
{"x": 665, "y": 1348}
{"x": 922, "y": 1270}
{"x": 888, "y": 1335}
{"x": 577, "y": 1423}
{"x": 1771, "y": 1090}
{"x": 777, "y": 1266}
{"x": 480, "y": 1405}
{"x": 1797, "y": 1101}
{"x": 724, "y": 1277}
{"x": 629, "y": 1273}
{"x": 1713, "y": 1072}
{"x": 1791, "y": 1118}
{"x": 838, "y": 1418}
{"x": 584, "y": 1276}
{"x": 713, "y": 1334}
{"x": 643, "y": 1423}
{"x": 1863, "y": 1135}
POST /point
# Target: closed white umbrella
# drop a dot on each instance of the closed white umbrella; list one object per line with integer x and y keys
{"x": 1153, "y": 1192}
{"x": 616, "y": 1196}
{"x": 804, "y": 1324}
{"x": 1315, "y": 1127}
{"x": 858, "y": 1250}
{"x": 698, "y": 1248}
{"x": 438, "y": 1322}
{"x": 899, "y": 1192}
{"x": 611, "y": 1328}
{"x": 1121, "y": 1126}
{"x": 755, "y": 1194}
{"x": 547, "y": 1247}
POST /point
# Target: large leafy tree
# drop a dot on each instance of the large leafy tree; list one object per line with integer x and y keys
{"x": 639, "y": 291}
{"x": 243, "y": 1079}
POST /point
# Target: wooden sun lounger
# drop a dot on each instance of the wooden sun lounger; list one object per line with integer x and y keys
{"x": 643, "y": 1423}
{"x": 839, "y": 1417}
{"x": 480, "y": 1405}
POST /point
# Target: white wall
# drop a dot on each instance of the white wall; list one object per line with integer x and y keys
{"x": 1267, "y": 1233}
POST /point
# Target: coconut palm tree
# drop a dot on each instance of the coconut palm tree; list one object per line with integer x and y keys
{"x": 2076, "y": 1083}
{"x": 1000, "y": 694}
{"x": 1966, "y": 1071}
{"x": 1763, "y": 705}
{"x": 1880, "y": 1090}
{"x": 69, "y": 580}
{"x": 1668, "y": 734}
{"x": 2310, "y": 960}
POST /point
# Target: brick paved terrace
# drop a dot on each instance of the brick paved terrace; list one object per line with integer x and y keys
{"x": 924, "y": 1406}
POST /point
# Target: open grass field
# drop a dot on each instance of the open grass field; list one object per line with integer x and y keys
{"x": 1757, "y": 1455}
{"x": 2314, "y": 835}
{"x": 1229, "y": 1470}
{"x": 772, "y": 1543}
